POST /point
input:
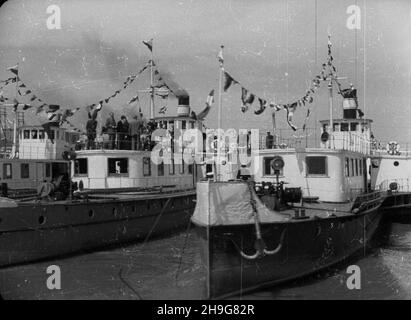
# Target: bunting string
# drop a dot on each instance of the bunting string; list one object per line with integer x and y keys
{"x": 247, "y": 97}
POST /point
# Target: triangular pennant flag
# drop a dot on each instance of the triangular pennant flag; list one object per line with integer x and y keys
{"x": 149, "y": 44}
{"x": 133, "y": 99}
{"x": 163, "y": 110}
{"x": 107, "y": 100}
{"x": 53, "y": 108}
{"x": 228, "y": 80}
{"x": 247, "y": 99}
{"x": 26, "y": 106}
{"x": 290, "y": 112}
{"x": 14, "y": 69}
{"x": 210, "y": 98}
{"x": 263, "y": 104}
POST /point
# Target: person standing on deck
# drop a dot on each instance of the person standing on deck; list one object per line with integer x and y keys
{"x": 91, "y": 128}
{"x": 136, "y": 126}
{"x": 111, "y": 130}
{"x": 122, "y": 131}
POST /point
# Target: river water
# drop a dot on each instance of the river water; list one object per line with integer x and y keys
{"x": 169, "y": 268}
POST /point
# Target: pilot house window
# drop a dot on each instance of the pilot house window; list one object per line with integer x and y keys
{"x": 117, "y": 166}
{"x": 316, "y": 165}
{"x": 80, "y": 166}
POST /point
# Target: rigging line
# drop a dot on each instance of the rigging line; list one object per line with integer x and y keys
{"x": 125, "y": 282}
{"x": 183, "y": 249}
{"x": 84, "y": 83}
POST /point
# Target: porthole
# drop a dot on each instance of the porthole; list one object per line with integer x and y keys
{"x": 91, "y": 213}
{"x": 42, "y": 220}
{"x": 396, "y": 163}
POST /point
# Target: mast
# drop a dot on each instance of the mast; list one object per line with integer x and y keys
{"x": 151, "y": 85}
{"x": 220, "y": 120}
{"x": 14, "y": 147}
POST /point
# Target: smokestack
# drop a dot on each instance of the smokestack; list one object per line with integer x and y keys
{"x": 183, "y": 108}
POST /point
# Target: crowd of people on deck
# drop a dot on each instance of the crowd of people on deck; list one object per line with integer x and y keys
{"x": 121, "y": 135}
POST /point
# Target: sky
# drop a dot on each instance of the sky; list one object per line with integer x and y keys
{"x": 273, "y": 47}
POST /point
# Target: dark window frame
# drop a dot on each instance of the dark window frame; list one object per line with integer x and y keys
{"x": 310, "y": 167}
{"x": 112, "y": 161}
{"x": 78, "y": 169}
{"x": 146, "y": 164}
{"x": 5, "y": 176}
{"x": 25, "y": 168}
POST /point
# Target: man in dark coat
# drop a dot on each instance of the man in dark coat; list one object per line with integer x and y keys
{"x": 123, "y": 128}
{"x": 91, "y": 128}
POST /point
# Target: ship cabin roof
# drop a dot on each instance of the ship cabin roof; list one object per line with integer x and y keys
{"x": 119, "y": 160}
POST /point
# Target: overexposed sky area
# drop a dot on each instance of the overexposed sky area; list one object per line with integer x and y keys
{"x": 273, "y": 47}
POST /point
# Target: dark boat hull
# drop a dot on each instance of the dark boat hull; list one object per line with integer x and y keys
{"x": 307, "y": 246}
{"x": 32, "y": 232}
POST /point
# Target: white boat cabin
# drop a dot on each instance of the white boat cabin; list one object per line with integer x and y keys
{"x": 38, "y": 158}
{"x": 129, "y": 165}
{"x": 390, "y": 167}
{"x": 335, "y": 171}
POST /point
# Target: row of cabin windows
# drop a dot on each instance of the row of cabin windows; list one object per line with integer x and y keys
{"x": 316, "y": 166}
{"x": 345, "y": 126}
{"x": 120, "y": 166}
{"x": 170, "y": 124}
{"x": 24, "y": 171}
{"x": 354, "y": 167}
{"x": 34, "y": 134}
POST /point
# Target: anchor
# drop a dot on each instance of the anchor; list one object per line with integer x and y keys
{"x": 259, "y": 244}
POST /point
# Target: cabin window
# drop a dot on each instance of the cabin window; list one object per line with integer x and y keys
{"x": 353, "y": 126}
{"x": 117, "y": 166}
{"x": 146, "y": 166}
{"x": 34, "y": 134}
{"x": 80, "y": 166}
{"x": 190, "y": 169}
{"x": 347, "y": 167}
{"x": 183, "y": 124}
{"x": 336, "y": 126}
{"x": 7, "y": 171}
{"x": 171, "y": 167}
{"x": 57, "y": 134}
{"x": 361, "y": 166}
{"x": 160, "y": 169}
{"x": 268, "y": 171}
{"x": 352, "y": 168}
{"x": 25, "y": 170}
{"x": 356, "y": 167}
{"x": 316, "y": 165}
{"x": 344, "y": 126}
{"x": 26, "y": 134}
{"x": 48, "y": 170}
{"x": 41, "y": 134}
{"x": 191, "y": 124}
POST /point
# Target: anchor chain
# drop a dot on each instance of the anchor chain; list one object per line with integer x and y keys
{"x": 259, "y": 245}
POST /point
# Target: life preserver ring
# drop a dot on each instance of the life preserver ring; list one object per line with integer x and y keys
{"x": 393, "y": 148}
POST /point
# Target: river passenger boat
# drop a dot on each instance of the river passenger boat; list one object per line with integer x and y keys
{"x": 301, "y": 210}
{"x": 116, "y": 193}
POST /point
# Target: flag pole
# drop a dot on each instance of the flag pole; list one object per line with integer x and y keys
{"x": 151, "y": 84}
{"x": 220, "y": 120}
